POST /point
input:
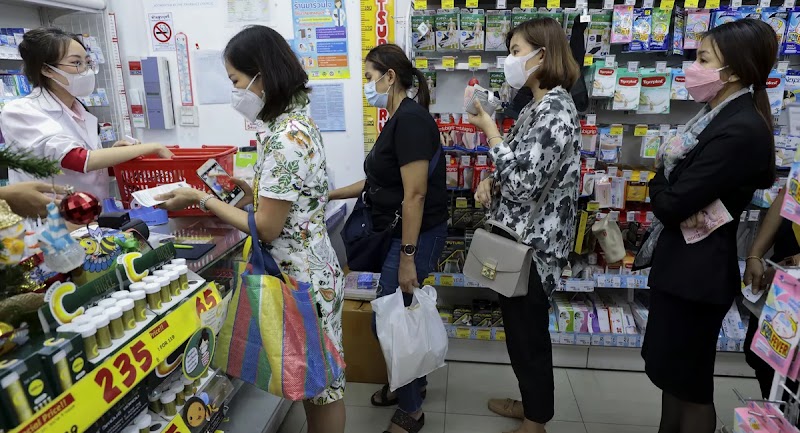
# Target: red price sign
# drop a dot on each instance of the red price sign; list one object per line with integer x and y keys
{"x": 129, "y": 365}
{"x": 176, "y": 426}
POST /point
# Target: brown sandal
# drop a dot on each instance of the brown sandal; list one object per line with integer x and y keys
{"x": 507, "y": 407}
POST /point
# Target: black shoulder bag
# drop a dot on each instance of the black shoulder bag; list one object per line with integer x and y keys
{"x": 367, "y": 249}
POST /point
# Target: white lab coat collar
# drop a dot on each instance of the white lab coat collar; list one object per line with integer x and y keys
{"x": 48, "y": 102}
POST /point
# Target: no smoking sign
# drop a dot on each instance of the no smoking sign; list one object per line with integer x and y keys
{"x": 162, "y": 31}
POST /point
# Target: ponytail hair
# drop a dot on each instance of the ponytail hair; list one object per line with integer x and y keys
{"x": 423, "y": 91}
{"x": 390, "y": 56}
{"x": 749, "y": 49}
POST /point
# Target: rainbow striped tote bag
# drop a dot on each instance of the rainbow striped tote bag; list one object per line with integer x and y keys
{"x": 273, "y": 336}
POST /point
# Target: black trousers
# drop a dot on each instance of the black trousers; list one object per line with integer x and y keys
{"x": 528, "y": 341}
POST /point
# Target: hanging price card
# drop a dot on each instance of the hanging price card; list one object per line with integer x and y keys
{"x": 616, "y": 130}
{"x": 501, "y": 4}
{"x": 553, "y": 4}
{"x": 474, "y": 62}
{"x": 736, "y": 4}
{"x": 462, "y": 332}
{"x": 420, "y": 5}
{"x": 484, "y": 334}
{"x": 177, "y": 426}
{"x": 667, "y": 4}
{"x": 449, "y": 63}
{"x": 430, "y": 281}
{"x": 472, "y": 3}
{"x": 788, "y": 4}
{"x": 648, "y": 4}
{"x": 526, "y": 4}
{"x": 588, "y": 60}
{"x": 608, "y": 4}
{"x": 447, "y": 281}
{"x": 448, "y": 4}
{"x": 712, "y": 4}
{"x": 692, "y": 4}
{"x": 101, "y": 389}
{"x": 421, "y": 63}
{"x": 640, "y": 130}
{"x": 764, "y": 3}
{"x": 500, "y": 335}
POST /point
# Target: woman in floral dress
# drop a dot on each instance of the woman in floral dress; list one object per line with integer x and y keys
{"x": 292, "y": 186}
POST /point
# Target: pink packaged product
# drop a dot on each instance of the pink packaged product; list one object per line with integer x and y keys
{"x": 622, "y": 25}
{"x": 697, "y": 21}
{"x": 777, "y": 336}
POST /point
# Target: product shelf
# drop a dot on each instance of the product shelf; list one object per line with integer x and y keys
{"x": 103, "y": 387}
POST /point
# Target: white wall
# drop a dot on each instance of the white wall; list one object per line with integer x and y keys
{"x": 219, "y": 124}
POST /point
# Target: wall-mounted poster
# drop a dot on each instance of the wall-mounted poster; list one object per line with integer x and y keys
{"x": 320, "y": 38}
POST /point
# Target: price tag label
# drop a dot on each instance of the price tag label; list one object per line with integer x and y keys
{"x": 500, "y": 335}
{"x": 526, "y": 4}
{"x": 633, "y": 66}
{"x": 501, "y": 62}
{"x": 661, "y": 67}
{"x": 593, "y": 206}
{"x": 692, "y": 4}
{"x": 648, "y": 4}
{"x": 736, "y": 3}
{"x": 783, "y": 66}
{"x": 664, "y": 128}
{"x": 581, "y": 4}
{"x": 630, "y": 2}
{"x": 617, "y": 130}
{"x": 794, "y": 119}
{"x": 429, "y": 281}
{"x": 420, "y": 5}
{"x": 553, "y": 4}
{"x": 764, "y": 3}
{"x": 611, "y": 61}
{"x": 588, "y": 60}
{"x": 475, "y": 62}
{"x": 449, "y": 63}
{"x": 640, "y": 131}
{"x": 447, "y": 281}
{"x": 608, "y": 4}
{"x": 484, "y": 334}
{"x": 788, "y": 4}
{"x": 501, "y": 4}
{"x": 421, "y": 63}
{"x": 472, "y": 3}
{"x": 462, "y": 332}
{"x": 448, "y": 4}
{"x": 712, "y": 4}
{"x": 667, "y": 4}
{"x": 591, "y": 119}
{"x": 121, "y": 372}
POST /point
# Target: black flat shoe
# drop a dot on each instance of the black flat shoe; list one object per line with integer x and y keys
{"x": 406, "y": 422}
{"x": 385, "y": 401}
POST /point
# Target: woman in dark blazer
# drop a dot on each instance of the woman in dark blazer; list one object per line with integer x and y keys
{"x": 725, "y": 154}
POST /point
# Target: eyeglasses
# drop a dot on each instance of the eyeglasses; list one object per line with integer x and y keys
{"x": 81, "y": 68}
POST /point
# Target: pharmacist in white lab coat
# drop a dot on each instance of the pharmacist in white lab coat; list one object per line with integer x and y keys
{"x": 52, "y": 123}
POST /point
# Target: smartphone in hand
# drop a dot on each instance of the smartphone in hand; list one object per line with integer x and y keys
{"x": 219, "y": 181}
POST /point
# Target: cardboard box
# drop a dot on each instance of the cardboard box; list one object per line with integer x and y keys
{"x": 362, "y": 352}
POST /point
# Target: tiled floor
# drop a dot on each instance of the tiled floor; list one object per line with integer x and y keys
{"x": 587, "y": 401}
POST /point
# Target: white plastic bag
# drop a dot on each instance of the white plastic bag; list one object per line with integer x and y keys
{"x": 413, "y": 338}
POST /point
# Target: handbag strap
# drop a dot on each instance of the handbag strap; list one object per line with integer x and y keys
{"x": 262, "y": 260}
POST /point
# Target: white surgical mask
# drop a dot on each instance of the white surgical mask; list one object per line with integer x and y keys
{"x": 514, "y": 68}
{"x": 247, "y": 103}
{"x": 380, "y": 100}
{"x": 78, "y": 85}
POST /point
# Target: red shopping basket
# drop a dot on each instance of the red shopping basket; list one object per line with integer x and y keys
{"x": 149, "y": 172}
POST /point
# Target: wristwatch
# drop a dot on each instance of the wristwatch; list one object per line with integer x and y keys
{"x": 408, "y": 249}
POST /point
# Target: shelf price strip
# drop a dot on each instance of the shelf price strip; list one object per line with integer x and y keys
{"x": 105, "y": 385}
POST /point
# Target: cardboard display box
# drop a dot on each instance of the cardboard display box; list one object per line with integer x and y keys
{"x": 362, "y": 352}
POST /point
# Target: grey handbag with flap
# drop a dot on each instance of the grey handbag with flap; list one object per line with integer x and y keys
{"x": 501, "y": 264}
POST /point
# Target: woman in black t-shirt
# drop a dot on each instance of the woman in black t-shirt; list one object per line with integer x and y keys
{"x": 398, "y": 184}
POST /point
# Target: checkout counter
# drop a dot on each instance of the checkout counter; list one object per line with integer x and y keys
{"x": 217, "y": 266}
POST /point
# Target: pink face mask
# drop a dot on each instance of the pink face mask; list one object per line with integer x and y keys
{"x": 703, "y": 84}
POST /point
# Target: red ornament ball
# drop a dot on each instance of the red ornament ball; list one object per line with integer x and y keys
{"x": 80, "y": 208}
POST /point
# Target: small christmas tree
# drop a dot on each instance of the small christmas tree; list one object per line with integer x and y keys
{"x": 16, "y": 299}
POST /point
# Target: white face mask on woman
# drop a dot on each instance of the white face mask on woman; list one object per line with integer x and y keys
{"x": 78, "y": 85}
{"x": 247, "y": 103}
{"x": 514, "y": 68}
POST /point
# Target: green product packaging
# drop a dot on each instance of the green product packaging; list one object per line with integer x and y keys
{"x": 447, "y": 32}
{"x": 659, "y": 37}
{"x": 64, "y": 360}
{"x": 24, "y": 388}
{"x": 423, "y": 36}
{"x": 627, "y": 91}
{"x": 498, "y": 24}
{"x": 555, "y": 14}
{"x": 655, "y": 94}
{"x": 472, "y": 32}
{"x": 519, "y": 16}
{"x": 598, "y": 34}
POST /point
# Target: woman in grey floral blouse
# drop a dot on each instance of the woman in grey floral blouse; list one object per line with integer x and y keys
{"x": 542, "y": 145}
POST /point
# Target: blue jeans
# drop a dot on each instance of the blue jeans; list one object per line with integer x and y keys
{"x": 429, "y": 249}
